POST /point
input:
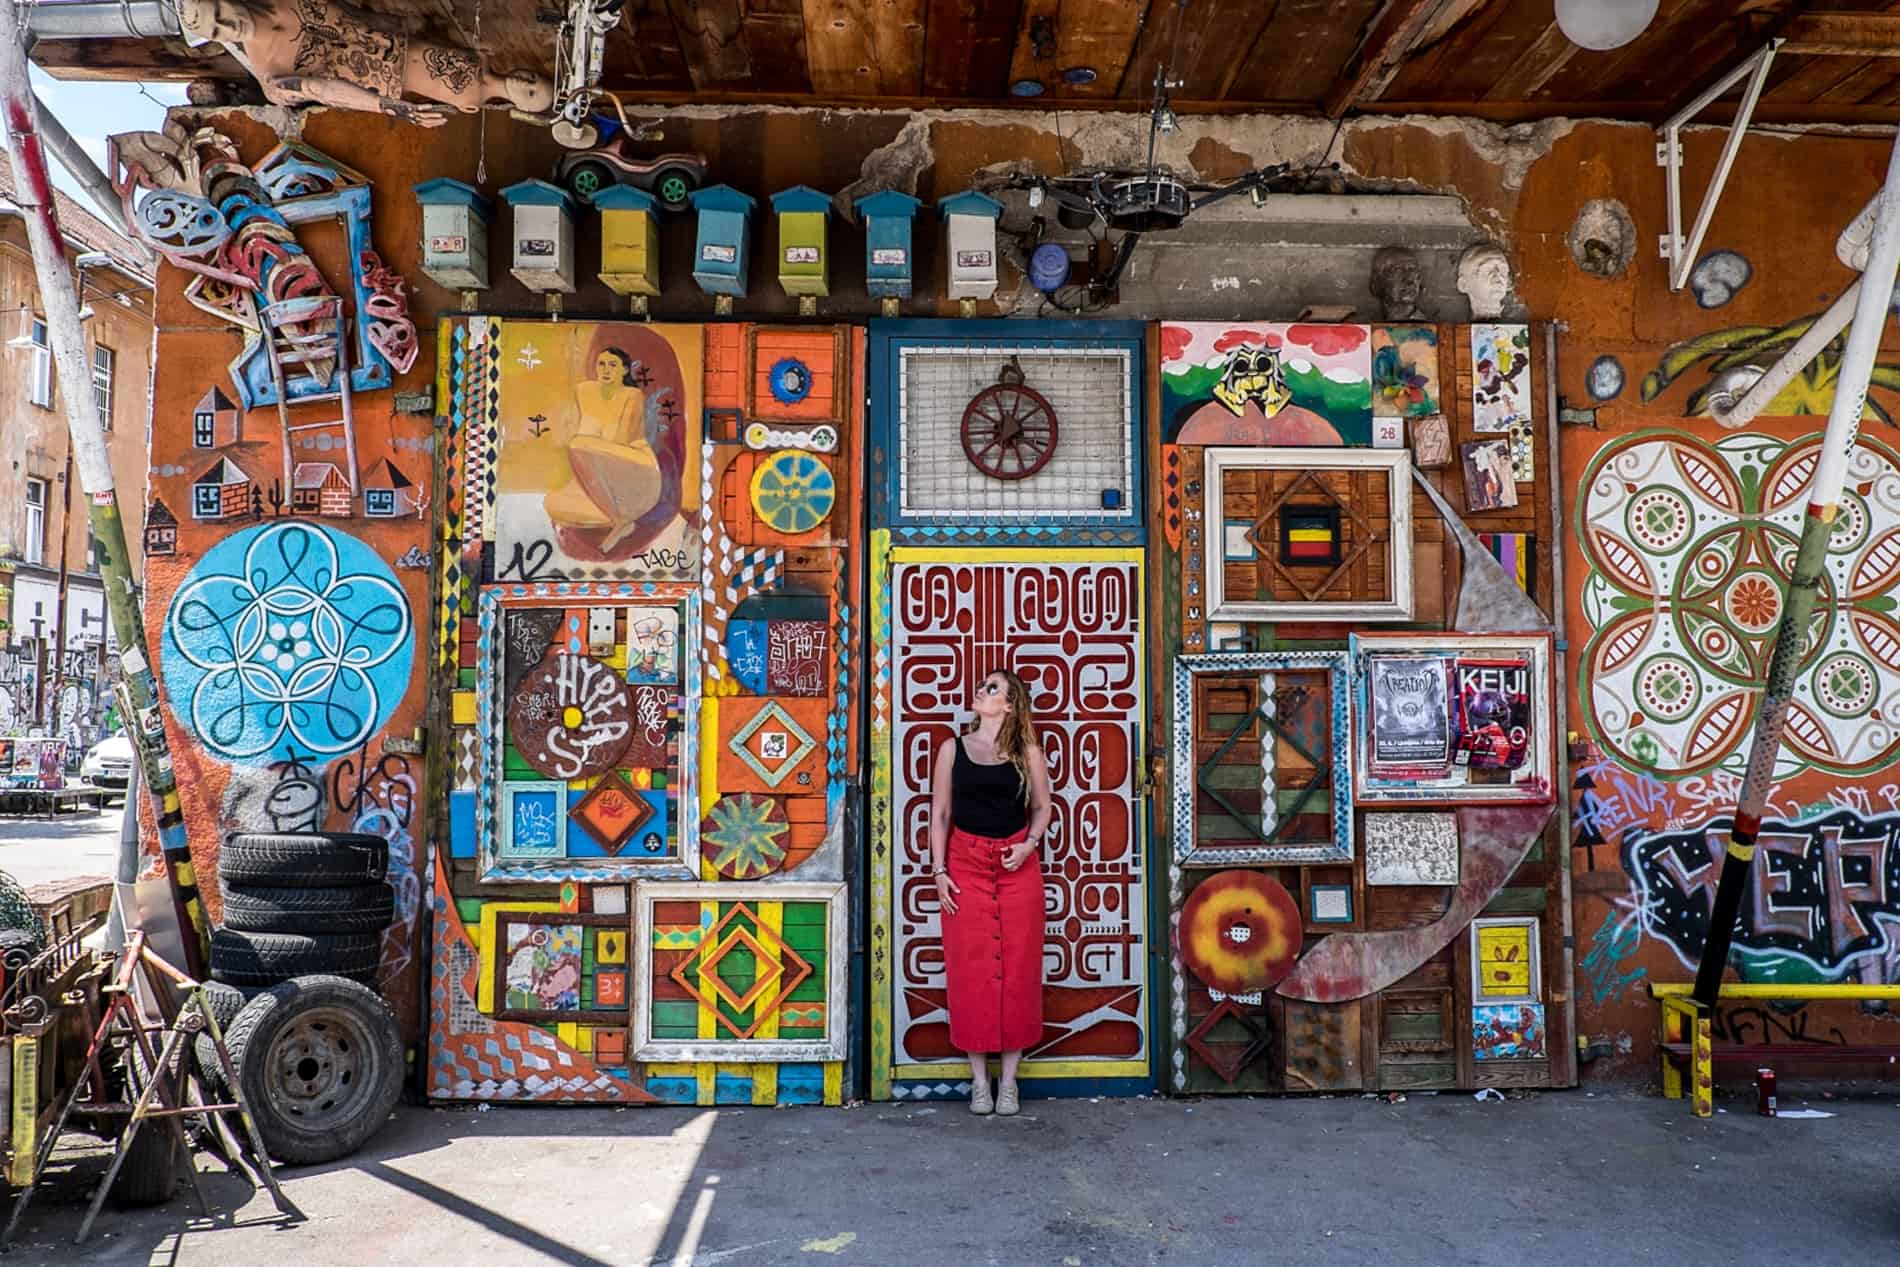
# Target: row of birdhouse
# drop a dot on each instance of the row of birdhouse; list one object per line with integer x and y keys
{"x": 455, "y": 220}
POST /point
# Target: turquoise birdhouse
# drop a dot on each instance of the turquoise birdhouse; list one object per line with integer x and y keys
{"x": 724, "y": 246}
{"x": 455, "y": 220}
{"x": 887, "y": 220}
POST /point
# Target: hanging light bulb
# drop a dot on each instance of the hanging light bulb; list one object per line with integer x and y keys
{"x": 1600, "y": 25}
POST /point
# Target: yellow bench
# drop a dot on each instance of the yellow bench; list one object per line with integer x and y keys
{"x": 1688, "y": 1044}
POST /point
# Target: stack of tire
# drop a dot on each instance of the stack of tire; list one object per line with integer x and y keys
{"x": 317, "y": 1052}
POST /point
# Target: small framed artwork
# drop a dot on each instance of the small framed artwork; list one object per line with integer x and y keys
{"x": 1329, "y": 904}
{"x": 1453, "y": 719}
{"x": 1310, "y": 534}
{"x": 1431, "y": 441}
{"x": 1490, "y": 475}
{"x": 550, "y": 966}
{"x": 1508, "y": 1031}
{"x": 1411, "y": 849}
{"x": 533, "y": 821}
{"x": 586, "y": 731}
{"x": 1505, "y": 960}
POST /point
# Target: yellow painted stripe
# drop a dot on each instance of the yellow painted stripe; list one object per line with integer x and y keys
{"x": 1320, "y": 535}
{"x": 569, "y": 1033}
{"x": 679, "y": 1070}
{"x": 1741, "y": 852}
{"x": 708, "y": 1018}
{"x": 834, "y": 1082}
{"x": 708, "y": 751}
{"x": 1740, "y": 990}
{"x": 764, "y": 1084}
{"x": 706, "y": 1073}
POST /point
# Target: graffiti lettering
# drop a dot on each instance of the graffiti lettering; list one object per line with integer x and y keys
{"x": 1825, "y": 897}
{"x": 529, "y": 562}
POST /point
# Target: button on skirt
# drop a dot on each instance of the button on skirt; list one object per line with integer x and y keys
{"x": 992, "y": 947}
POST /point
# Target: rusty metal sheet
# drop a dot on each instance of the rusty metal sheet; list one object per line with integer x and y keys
{"x": 1353, "y": 965}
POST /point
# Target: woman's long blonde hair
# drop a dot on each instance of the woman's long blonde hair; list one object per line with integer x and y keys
{"x": 1018, "y": 732}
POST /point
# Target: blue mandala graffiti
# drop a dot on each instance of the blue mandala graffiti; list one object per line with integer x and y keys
{"x": 287, "y": 637}
{"x": 790, "y": 379}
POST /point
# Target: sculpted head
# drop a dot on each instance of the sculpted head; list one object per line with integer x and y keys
{"x": 1484, "y": 277}
{"x": 226, "y": 21}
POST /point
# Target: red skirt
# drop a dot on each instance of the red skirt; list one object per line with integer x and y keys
{"x": 992, "y": 946}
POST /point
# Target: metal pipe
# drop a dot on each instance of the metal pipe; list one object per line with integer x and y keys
{"x": 1825, "y": 329}
{"x": 1565, "y": 1065}
{"x": 73, "y": 157}
{"x": 1810, "y": 566}
{"x": 1721, "y": 86}
{"x": 1684, "y": 260}
{"x": 134, "y": 19}
{"x": 58, "y": 292}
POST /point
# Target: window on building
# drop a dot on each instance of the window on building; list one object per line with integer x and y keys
{"x": 40, "y": 380}
{"x": 102, "y": 362}
{"x": 206, "y": 501}
{"x": 35, "y": 521}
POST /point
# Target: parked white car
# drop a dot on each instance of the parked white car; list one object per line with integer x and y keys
{"x": 109, "y": 764}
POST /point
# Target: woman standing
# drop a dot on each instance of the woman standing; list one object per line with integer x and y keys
{"x": 989, "y": 807}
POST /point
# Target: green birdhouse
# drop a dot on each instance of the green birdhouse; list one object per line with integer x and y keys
{"x": 804, "y": 262}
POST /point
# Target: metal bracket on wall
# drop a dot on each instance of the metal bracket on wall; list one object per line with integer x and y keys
{"x": 1681, "y": 254}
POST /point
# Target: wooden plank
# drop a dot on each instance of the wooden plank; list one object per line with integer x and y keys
{"x": 755, "y": 44}
{"x": 1206, "y": 56}
{"x": 1535, "y": 67}
{"x": 967, "y": 47}
{"x": 1302, "y": 50}
{"x": 1843, "y": 34}
{"x": 1389, "y": 40}
{"x": 1098, "y": 34}
{"x": 1869, "y": 80}
{"x": 865, "y": 46}
{"x": 644, "y": 50}
{"x": 1511, "y": 1073}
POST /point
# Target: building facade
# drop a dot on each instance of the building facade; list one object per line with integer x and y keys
{"x": 58, "y": 640}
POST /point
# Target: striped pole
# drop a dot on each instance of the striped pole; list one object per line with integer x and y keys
{"x": 60, "y": 296}
{"x": 1837, "y": 445}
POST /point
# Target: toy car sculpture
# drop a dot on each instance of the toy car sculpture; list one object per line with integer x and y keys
{"x": 606, "y": 160}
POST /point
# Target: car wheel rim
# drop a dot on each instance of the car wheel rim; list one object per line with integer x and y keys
{"x": 586, "y": 181}
{"x": 319, "y": 1068}
{"x": 673, "y": 189}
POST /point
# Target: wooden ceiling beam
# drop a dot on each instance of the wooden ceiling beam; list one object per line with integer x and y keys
{"x": 1390, "y": 37}
{"x": 1843, "y": 35}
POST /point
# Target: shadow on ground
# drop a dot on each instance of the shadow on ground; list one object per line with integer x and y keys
{"x": 1433, "y": 1180}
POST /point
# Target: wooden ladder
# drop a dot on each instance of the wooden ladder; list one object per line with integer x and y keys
{"x": 299, "y": 333}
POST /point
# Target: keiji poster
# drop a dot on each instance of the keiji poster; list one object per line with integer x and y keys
{"x": 1494, "y": 713}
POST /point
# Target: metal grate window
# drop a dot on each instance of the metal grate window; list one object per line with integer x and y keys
{"x": 103, "y": 359}
{"x": 1091, "y": 473}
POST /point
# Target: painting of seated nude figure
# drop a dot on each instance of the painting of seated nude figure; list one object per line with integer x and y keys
{"x": 596, "y": 473}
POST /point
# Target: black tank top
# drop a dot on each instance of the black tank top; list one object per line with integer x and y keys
{"x": 986, "y": 800}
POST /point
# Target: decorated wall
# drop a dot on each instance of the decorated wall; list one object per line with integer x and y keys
{"x": 1357, "y": 782}
{"x": 1329, "y": 733}
{"x": 648, "y": 573}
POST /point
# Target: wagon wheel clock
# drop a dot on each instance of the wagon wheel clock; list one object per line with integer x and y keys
{"x": 1009, "y": 430}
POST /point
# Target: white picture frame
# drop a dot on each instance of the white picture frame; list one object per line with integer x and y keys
{"x": 1397, "y": 466}
{"x": 761, "y": 1050}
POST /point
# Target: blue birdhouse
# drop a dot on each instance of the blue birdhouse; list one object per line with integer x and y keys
{"x": 887, "y": 263}
{"x": 455, "y": 220}
{"x": 969, "y": 220}
{"x": 724, "y": 246}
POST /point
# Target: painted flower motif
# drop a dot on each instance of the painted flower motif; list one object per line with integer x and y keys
{"x": 1754, "y": 602}
{"x": 288, "y": 637}
{"x": 1395, "y": 379}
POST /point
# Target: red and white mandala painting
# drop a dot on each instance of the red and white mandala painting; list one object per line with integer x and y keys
{"x": 1690, "y": 544}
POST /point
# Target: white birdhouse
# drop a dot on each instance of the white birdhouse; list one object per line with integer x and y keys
{"x": 970, "y": 223}
{"x": 544, "y": 235}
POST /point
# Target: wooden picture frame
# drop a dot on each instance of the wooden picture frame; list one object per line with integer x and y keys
{"x": 1532, "y": 783}
{"x": 498, "y": 925}
{"x": 1394, "y": 464}
{"x": 1522, "y": 936}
